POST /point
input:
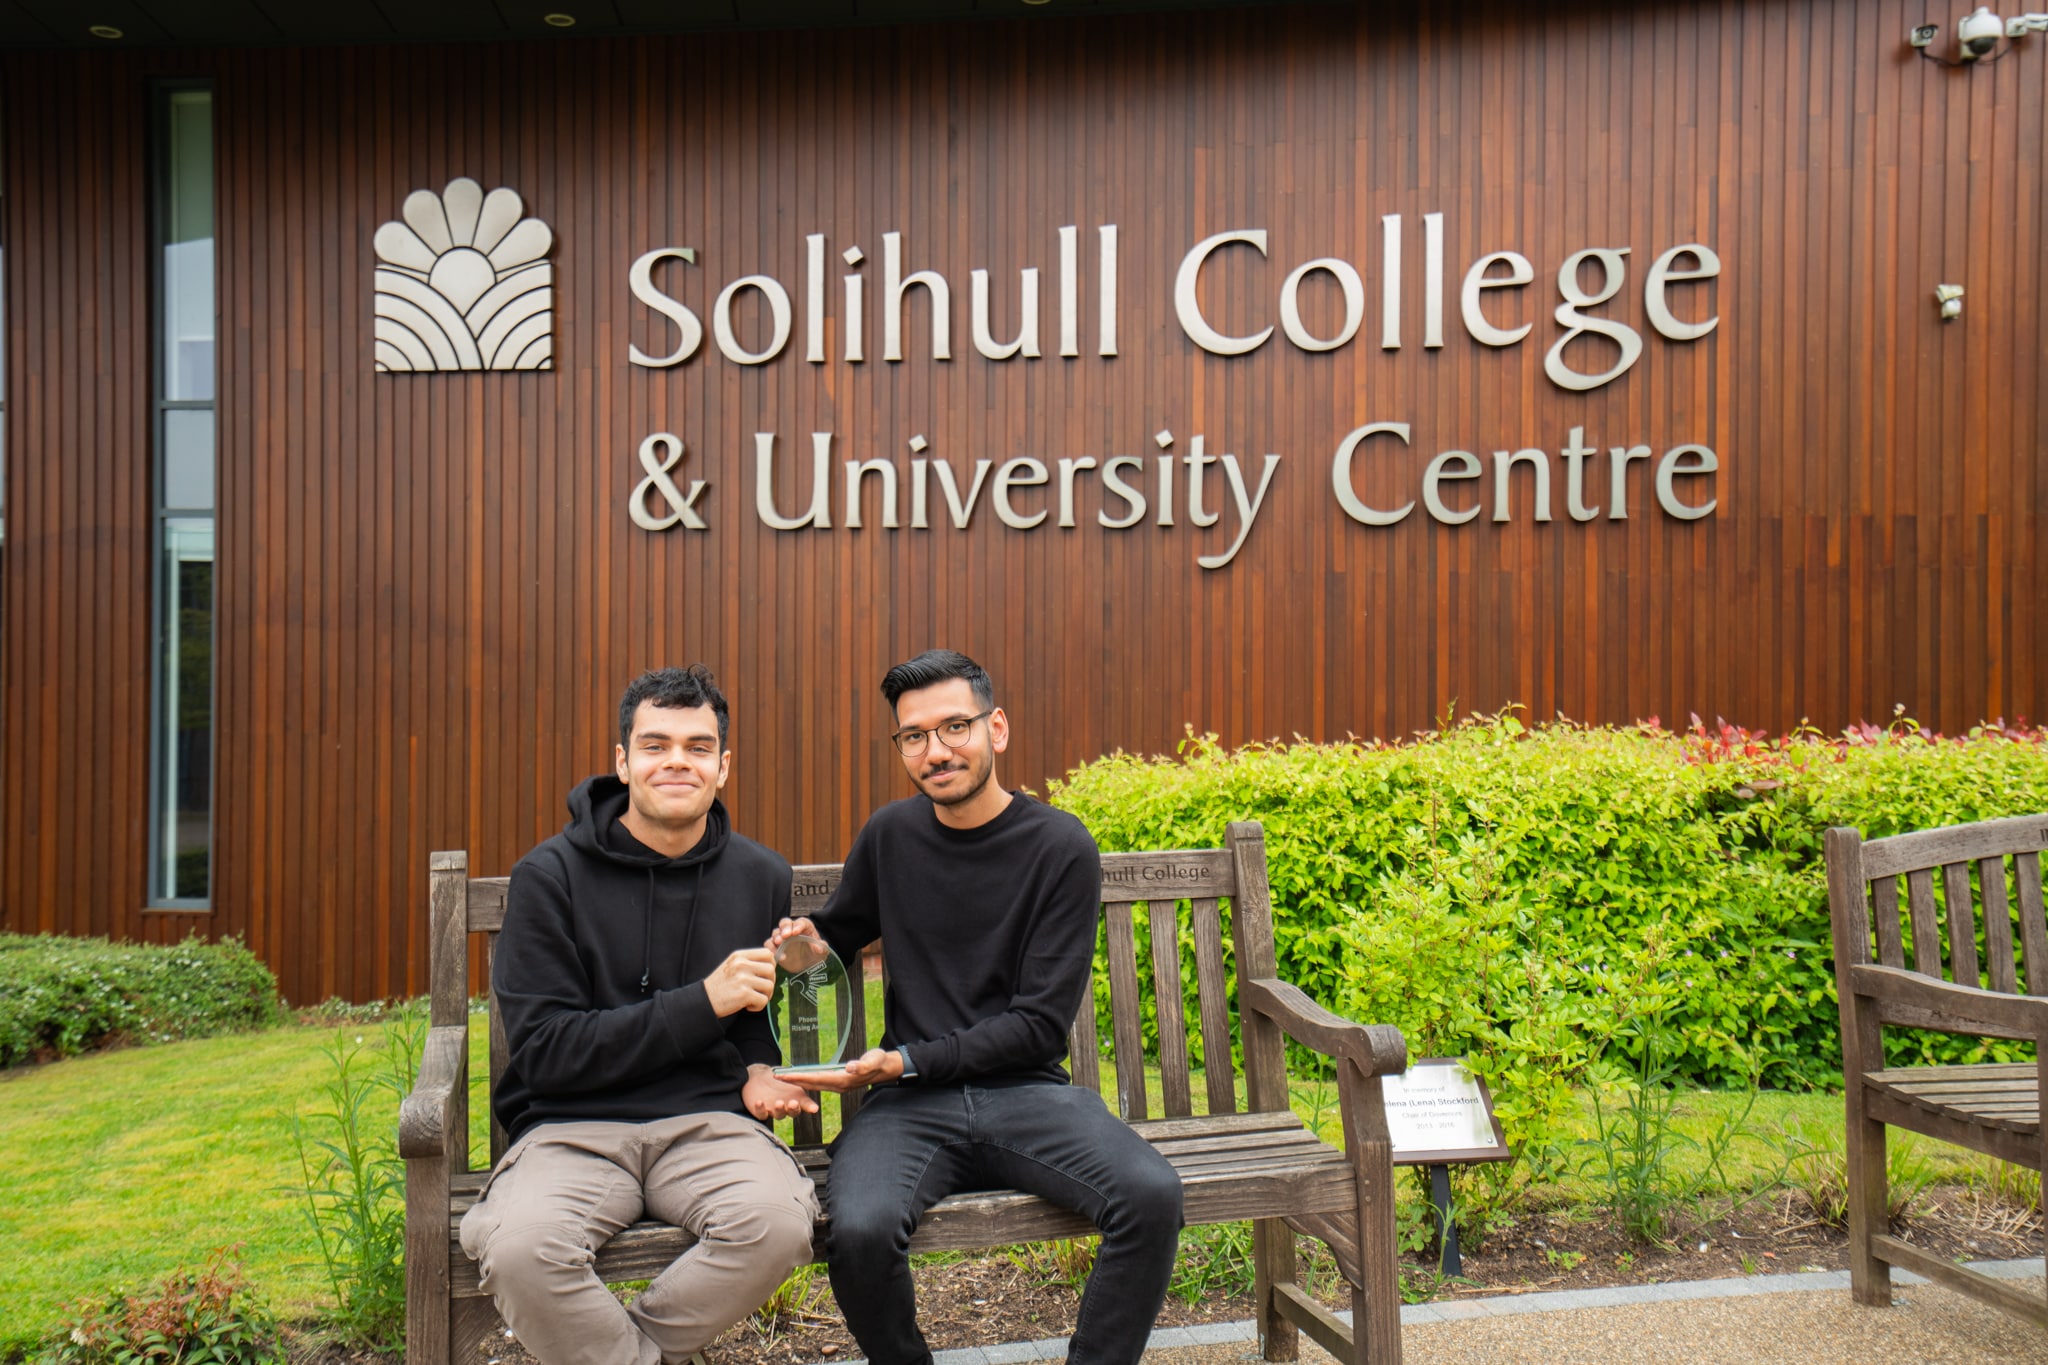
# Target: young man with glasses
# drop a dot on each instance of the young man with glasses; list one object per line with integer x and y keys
{"x": 986, "y": 902}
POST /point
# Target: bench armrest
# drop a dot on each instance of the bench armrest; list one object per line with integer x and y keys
{"x": 1377, "y": 1049}
{"x": 1954, "y": 1008}
{"x": 439, "y": 1101}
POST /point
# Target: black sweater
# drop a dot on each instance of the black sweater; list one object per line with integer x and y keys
{"x": 600, "y": 970}
{"x": 989, "y": 933}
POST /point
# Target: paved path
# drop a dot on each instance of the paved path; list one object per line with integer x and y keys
{"x": 1803, "y": 1319}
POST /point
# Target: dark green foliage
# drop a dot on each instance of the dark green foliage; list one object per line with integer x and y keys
{"x": 207, "y": 1316}
{"x": 1527, "y": 896}
{"x": 63, "y": 996}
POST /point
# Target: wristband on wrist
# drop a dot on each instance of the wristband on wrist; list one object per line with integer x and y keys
{"x": 909, "y": 1067}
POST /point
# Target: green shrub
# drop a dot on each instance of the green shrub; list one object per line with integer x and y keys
{"x": 1528, "y": 896}
{"x": 63, "y": 996}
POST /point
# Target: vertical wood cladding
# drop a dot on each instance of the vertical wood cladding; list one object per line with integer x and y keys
{"x": 430, "y": 591}
{"x": 76, "y": 693}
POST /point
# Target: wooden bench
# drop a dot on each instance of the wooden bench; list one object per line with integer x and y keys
{"x": 1957, "y": 879}
{"x": 1259, "y": 1163}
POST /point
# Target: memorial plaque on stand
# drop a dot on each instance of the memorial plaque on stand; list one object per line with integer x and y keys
{"x": 1438, "y": 1115}
{"x": 1438, "y": 1111}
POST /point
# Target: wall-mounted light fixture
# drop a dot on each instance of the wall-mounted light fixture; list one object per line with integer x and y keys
{"x": 1976, "y": 36}
{"x": 1950, "y": 297}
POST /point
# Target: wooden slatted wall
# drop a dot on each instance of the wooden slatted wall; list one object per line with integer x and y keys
{"x": 75, "y": 690}
{"x": 431, "y": 591}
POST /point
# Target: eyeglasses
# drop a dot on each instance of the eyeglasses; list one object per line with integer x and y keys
{"x": 952, "y": 734}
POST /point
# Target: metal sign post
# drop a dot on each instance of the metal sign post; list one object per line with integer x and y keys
{"x": 1447, "y": 1261}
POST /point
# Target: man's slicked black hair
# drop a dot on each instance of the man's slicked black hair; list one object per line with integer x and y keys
{"x": 935, "y": 666}
{"x": 673, "y": 689}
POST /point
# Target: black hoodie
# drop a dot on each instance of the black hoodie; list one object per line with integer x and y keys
{"x": 601, "y": 963}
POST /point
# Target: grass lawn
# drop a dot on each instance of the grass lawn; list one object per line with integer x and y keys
{"x": 121, "y": 1167}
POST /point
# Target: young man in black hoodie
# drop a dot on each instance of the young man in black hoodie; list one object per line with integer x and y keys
{"x": 632, "y": 976}
{"x": 986, "y": 903}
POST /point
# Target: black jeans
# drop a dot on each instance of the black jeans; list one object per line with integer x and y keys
{"x": 911, "y": 1146}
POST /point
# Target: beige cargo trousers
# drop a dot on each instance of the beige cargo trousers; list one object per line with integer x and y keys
{"x": 565, "y": 1189}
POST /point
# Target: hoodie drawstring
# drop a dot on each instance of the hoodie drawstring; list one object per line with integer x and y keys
{"x": 647, "y": 932}
{"x": 690, "y": 929}
{"x": 647, "y": 927}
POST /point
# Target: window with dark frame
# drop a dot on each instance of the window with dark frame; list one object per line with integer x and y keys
{"x": 181, "y": 803}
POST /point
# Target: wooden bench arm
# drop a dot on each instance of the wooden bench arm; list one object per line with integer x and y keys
{"x": 437, "y": 1103}
{"x": 1378, "y": 1049}
{"x": 1958, "y": 1009}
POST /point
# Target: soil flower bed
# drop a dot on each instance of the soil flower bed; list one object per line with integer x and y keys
{"x": 1023, "y": 1296}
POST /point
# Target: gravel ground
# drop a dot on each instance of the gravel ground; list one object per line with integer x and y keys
{"x": 1925, "y": 1324}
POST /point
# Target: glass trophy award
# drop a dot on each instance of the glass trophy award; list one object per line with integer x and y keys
{"x": 811, "y": 1011}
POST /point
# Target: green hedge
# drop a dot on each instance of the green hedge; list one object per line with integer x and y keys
{"x": 63, "y": 996}
{"x": 1546, "y": 898}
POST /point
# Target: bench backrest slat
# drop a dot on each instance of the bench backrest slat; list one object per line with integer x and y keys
{"x": 1084, "y": 1052}
{"x": 1962, "y": 921}
{"x": 1926, "y": 921}
{"x": 501, "y": 1046}
{"x": 1184, "y": 893}
{"x": 1125, "y": 1012}
{"x": 1175, "y": 1092}
{"x": 1997, "y": 925}
{"x": 1891, "y": 948}
{"x": 1213, "y": 1003}
{"x": 2033, "y": 923}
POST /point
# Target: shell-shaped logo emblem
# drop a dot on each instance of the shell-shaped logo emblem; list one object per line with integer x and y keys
{"x": 463, "y": 283}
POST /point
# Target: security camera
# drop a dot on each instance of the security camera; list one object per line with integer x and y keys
{"x": 1978, "y": 34}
